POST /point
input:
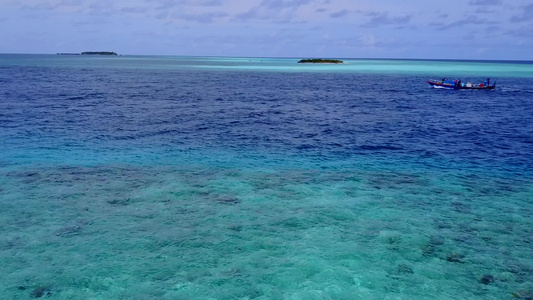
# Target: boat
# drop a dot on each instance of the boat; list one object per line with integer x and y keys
{"x": 458, "y": 85}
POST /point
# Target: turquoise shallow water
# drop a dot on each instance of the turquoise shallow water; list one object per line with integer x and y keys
{"x": 200, "y": 232}
{"x": 496, "y": 69}
{"x": 212, "y": 178}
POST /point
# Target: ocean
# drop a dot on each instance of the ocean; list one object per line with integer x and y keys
{"x": 160, "y": 177}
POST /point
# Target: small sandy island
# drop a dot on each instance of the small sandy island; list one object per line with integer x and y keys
{"x": 89, "y": 53}
{"x": 320, "y": 61}
{"x": 99, "y": 53}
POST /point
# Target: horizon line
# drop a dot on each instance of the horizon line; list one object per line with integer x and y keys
{"x": 291, "y": 57}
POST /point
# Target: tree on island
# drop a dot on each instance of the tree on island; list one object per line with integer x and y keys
{"x": 321, "y": 60}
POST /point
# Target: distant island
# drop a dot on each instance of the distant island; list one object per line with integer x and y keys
{"x": 99, "y": 53}
{"x": 320, "y": 61}
{"x": 90, "y": 53}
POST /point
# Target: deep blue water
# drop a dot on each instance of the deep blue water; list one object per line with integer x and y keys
{"x": 317, "y": 114}
{"x": 226, "y": 178}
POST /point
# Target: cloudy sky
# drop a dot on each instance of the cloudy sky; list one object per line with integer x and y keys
{"x": 455, "y": 29}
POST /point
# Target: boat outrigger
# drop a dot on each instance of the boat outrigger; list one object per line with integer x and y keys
{"x": 458, "y": 85}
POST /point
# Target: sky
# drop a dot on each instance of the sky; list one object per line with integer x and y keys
{"x": 455, "y": 29}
